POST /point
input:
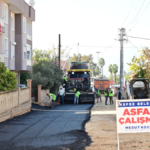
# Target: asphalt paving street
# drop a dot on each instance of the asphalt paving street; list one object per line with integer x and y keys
{"x": 59, "y": 128}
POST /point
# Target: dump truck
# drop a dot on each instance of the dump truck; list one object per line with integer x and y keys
{"x": 139, "y": 89}
{"x": 102, "y": 84}
{"x": 79, "y": 78}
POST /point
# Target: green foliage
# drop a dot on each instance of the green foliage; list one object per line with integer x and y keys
{"x": 95, "y": 70}
{"x": 128, "y": 76}
{"x": 115, "y": 70}
{"x": 110, "y": 69}
{"x": 8, "y": 80}
{"x": 140, "y": 65}
{"x": 117, "y": 78}
{"x": 23, "y": 78}
{"x": 101, "y": 64}
{"x": 48, "y": 74}
{"x": 83, "y": 58}
{"x": 48, "y": 55}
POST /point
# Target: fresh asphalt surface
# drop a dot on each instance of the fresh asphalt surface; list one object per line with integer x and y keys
{"x": 46, "y": 128}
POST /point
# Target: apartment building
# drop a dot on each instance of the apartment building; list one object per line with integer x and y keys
{"x": 16, "y": 17}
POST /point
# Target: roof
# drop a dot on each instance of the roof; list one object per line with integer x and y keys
{"x": 64, "y": 65}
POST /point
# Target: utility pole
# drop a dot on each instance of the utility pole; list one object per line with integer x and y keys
{"x": 69, "y": 58}
{"x": 78, "y": 52}
{"x": 98, "y": 59}
{"x": 59, "y": 53}
{"x": 121, "y": 39}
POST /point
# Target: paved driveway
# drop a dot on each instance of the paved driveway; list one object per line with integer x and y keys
{"x": 45, "y": 128}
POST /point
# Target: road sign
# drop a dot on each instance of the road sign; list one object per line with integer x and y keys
{"x": 111, "y": 82}
{"x": 133, "y": 116}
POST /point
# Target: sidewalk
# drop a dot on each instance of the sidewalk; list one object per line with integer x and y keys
{"x": 103, "y": 131}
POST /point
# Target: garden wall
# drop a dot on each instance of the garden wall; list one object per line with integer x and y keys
{"x": 14, "y": 103}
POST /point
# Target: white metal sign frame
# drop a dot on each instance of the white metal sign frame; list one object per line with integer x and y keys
{"x": 132, "y": 116}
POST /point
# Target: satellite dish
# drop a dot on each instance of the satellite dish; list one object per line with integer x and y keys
{"x": 32, "y": 3}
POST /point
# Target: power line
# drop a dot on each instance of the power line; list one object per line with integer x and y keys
{"x": 109, "y": 47}
{"x": 133, "y": 45}
{"x": 134, "y": 11}
{"x": 138, "y": 37}
{"x": 100, "y": 46}
{"x": 137, "y": 13}
{"x": 141, "y": 16}
{"x": 128, "y": 13}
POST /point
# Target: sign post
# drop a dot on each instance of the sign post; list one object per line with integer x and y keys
{"x": 133, "y": 116}
{"x": 111, "y": 82}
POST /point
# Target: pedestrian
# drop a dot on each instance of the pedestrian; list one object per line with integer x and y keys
{"x": 119, "y": 94}
{"x": 61, "y": 95}
{"x": 99, "y": 96}
{"x": 52, "y": 97}
{"x": 76, "y": 98}
{"x": 106, "y": 96}
{"x": 111, "y": 96}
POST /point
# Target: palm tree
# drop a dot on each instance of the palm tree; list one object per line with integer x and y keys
{"x": 115, "y": 70}
{"x": 110, "y": 69}
{"x": 101, "y": 64}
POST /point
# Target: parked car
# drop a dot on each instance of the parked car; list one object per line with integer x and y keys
{"x": 21, "y": 85}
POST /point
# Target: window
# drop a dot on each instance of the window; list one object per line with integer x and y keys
{"x": 29, "y": 52}
{"x": 6, "y": 13}
{"x": 12, "y": 21}
{"x": 12, "y": 51}
{"x": 6, "y": 47}
{"x": 24, "y": 24}
{"x": 24, "y": 53}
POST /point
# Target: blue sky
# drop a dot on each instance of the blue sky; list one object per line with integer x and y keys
{"x": 92, "y": 23}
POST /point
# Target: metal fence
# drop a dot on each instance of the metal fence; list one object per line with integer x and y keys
{"x": 35, "y": 94}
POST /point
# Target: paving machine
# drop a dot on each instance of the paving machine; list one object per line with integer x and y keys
{"x": 139, "y": 88}
{"x": 79, "y": 78}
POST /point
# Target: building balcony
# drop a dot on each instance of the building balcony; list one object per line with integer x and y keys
{"x": 1, "y": 57}
{"x": 22, "y": 7}
{"x": 2, "y": 28}
{"x": 29, "y": 37}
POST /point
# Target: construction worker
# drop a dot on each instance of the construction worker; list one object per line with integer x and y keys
{"x": 53, "y": 98}
{"x": 106, "y": 93}
{"x": 99, "y": 96}
{"x": 75, "y": 90}
{"x": 111, "y": 96}
{"x": 65, "y": 81}
{"x": 76, "y": 98}
{"x": 61, "y": 95}
{"x": 65, "y": 78}
{"x": 119, "y": 94}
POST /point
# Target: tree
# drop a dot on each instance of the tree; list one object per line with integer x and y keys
{"x": 110, "y": 69}
{"x": 117, "y": 79}
{"x": 81, "y": 58}
{"x": 49, "y": 55}
{"x": 101, "y": 64}
{"x": 115, "y": 70}
{"x": 48, "y": 74}
{"x": 23, "y": 78}
{"x": 128, "y": 76}
{"x": 140, "y": 65}
{"x": 8, "y": 80}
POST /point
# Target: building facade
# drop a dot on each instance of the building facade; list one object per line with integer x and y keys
{"x": 16, "y": 18}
